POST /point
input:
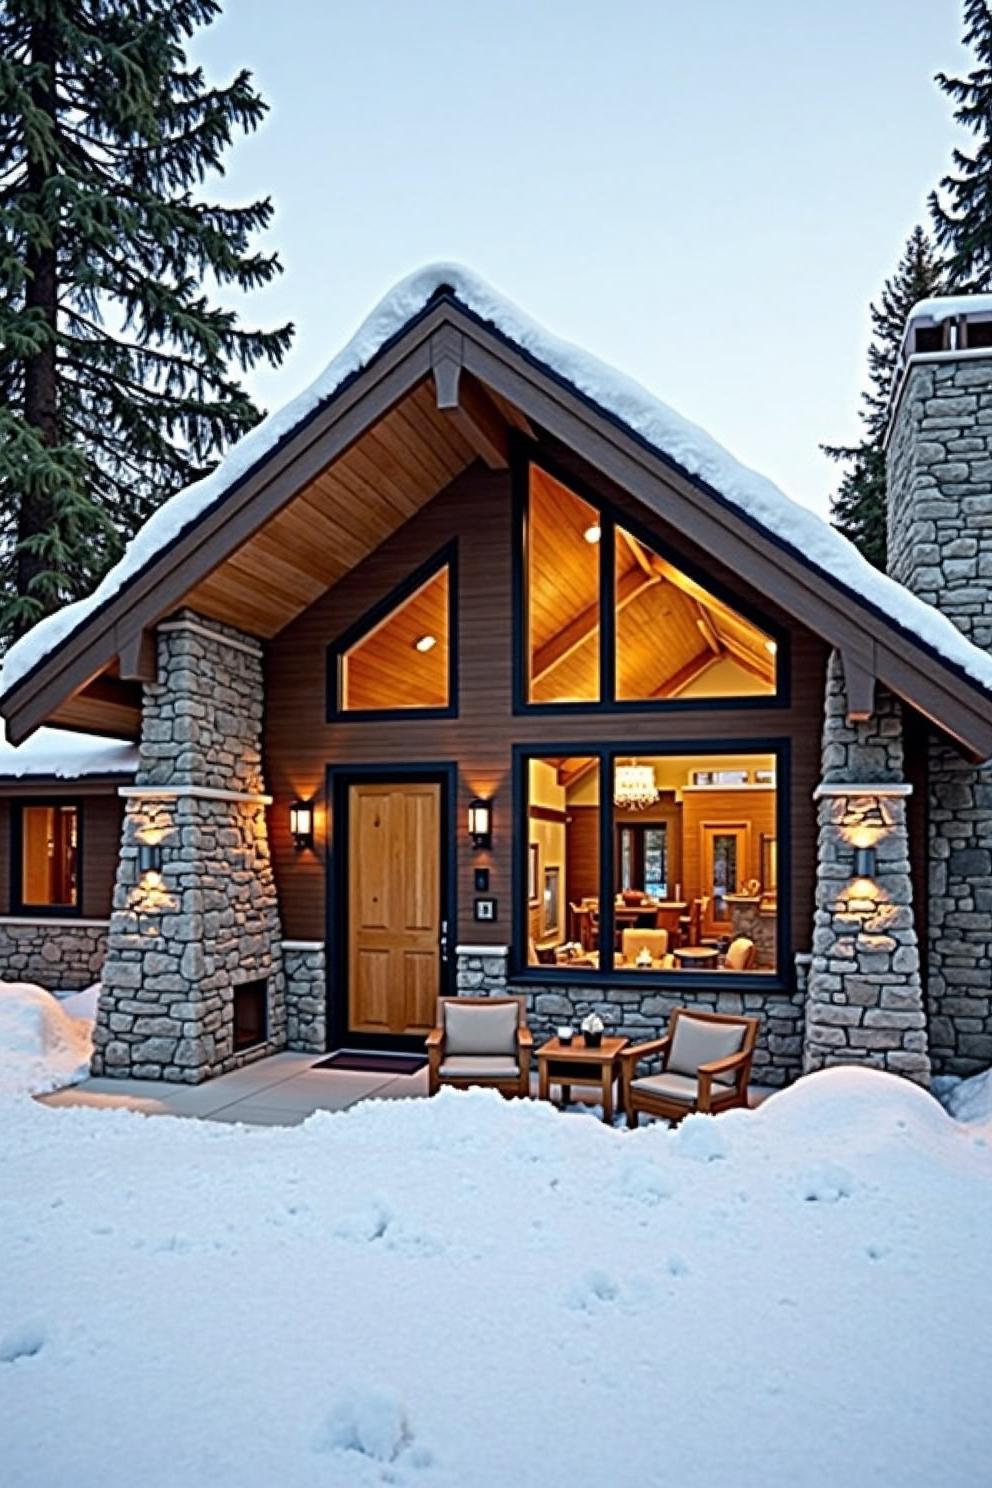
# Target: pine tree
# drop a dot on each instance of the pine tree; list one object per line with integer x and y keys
{"x": 118, "y": 376}
{"x": 962, "y": 222}
{"x": 858, "y": 508}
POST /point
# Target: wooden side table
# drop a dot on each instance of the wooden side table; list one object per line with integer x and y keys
{"x": 575, "y": 1064}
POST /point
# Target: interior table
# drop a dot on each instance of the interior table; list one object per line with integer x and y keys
{"x": 577, "y": 1064}
{"x": 697, "y": 958}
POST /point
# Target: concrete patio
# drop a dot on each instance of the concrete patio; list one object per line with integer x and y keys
{"x": 282, "y": 1090}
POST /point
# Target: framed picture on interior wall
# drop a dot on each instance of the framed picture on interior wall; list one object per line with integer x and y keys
{"x": 769, "y": 863}
{"x": 764, "y": 777}
{"x": 551, "y": 918}
{"x": 534, "y": 873}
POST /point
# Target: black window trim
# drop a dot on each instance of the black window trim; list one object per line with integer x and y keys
{"x": 524, "y": 456}
{"x": 445, "y": 557}
{"x": 777, "y": 984}
{"x": 43, "y": 911}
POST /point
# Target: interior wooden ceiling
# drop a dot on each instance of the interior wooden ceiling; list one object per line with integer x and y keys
{"x": 385, "y": 670}
{"x": 670, "y": 630}
{"x": 382, "y": 480}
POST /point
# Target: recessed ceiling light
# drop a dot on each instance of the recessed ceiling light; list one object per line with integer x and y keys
{"x": 771, "y": 647}
{"x": 593, "y": 534}
{"x": 426, "y": 643}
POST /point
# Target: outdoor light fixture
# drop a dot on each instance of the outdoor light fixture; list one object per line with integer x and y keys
{"x": 864, "y": 862}
{"x": 593, "y": 534}
{"x": 425, "y": 643}
{"x": 301, "y": 823}
{"x": 480, "y": 822}
{"x": 149, "y": 857}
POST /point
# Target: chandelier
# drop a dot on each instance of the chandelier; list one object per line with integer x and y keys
{"x": 634, "y": 786}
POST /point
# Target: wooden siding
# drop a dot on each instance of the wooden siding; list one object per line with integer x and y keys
{"x": 103, "y": 814}
{"x": 476, "y": 509}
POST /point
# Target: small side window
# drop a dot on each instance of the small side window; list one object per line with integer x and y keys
{"x": 48, "y": 856}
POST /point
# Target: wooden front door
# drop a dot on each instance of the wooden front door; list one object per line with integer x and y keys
{"x": 725, "y": 860}
{"x": 395, "y": 911}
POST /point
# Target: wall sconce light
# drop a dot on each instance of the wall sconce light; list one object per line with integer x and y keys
{"x": 301, "y": 823}
{"x": 480, "y": 823}
{"x": 149, "y": 857}
{"x": 865, "y": 862}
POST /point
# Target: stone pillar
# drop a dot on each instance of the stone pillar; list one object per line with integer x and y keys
{"x": 864, "y": 995}
{"x": 182, "y": 940}
{"x": 940, "y": 546}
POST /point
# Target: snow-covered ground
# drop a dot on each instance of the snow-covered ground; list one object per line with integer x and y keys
{"x": 468, "y": 1292}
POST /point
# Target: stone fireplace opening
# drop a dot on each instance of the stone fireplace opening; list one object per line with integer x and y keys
{"x": 251, "y": 1014}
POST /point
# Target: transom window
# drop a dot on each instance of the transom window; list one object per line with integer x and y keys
{"x": 673, "y": 639}
{"x": 657, "y": 862}
{"x": 47, "y": 856}
{"x": 400, "y": 656}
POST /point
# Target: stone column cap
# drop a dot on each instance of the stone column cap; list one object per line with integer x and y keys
{"x": 862, "y": 788}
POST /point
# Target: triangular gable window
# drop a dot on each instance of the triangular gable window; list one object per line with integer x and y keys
{"x": 399, "y": 658}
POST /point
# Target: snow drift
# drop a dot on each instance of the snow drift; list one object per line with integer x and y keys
{"x": 44, "y": 1043}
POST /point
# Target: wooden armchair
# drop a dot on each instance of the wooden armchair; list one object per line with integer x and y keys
{"x": 480, "y": 1041}
{"x": 705, "y": 1066}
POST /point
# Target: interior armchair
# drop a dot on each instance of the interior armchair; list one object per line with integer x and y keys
{"x": 705, "y": 1066}
{"x": 480, "y": 1041}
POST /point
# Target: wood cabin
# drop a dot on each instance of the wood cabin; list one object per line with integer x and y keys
{"x": 476, "y": 668}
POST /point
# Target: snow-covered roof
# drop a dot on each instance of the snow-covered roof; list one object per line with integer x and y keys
{"x": 945, "y": 307}
{"x": 61, "y": 755}
{"x": 659, "y": 425}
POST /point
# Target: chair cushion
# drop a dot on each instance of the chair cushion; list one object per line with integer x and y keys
{"x": 634, "y": 941}
{"x": 479, "y": 1066}
{"x": 471, "y": 1028}
{"x": 697, "y": 1042}
{"x": 740, "y": 954}
{"x": 682, "y": 1088}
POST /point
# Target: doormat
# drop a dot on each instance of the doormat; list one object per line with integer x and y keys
{"x": 374, "y": 1064}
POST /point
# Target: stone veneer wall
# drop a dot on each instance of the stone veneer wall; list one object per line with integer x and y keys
{"x": 62, "y": 955}
{"x": 306, "y": 996}
{"x": 180, "y": 942}
{"x": 640, "y": 1013}
{"x": 940, "y": 546}
{"x": 864, "y": 994}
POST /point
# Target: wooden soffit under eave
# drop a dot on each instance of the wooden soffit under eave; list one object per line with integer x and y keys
{"x": 961, "y": 709}
{"x": 218, "y": 542}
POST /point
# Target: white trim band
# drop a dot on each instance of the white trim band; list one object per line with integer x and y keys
{"x": 54, "y": 921}
{"x": 879, "y": 788}
{"x": 196, "y": 792}
{"x": 482, "y": 950}
{"x": 302, "y": 945}
{"x": 212, "y": 635}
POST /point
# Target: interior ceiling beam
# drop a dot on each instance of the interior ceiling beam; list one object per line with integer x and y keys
{"x": 678, "y": 681}
{"x": 758, "y": 666}
{"x": 640, "y": 556}
{"x": 465, "y": 401}
{"x": 586, "y": 624}
{"x": 578, "y": 772}
{"x": 705, "y": 626}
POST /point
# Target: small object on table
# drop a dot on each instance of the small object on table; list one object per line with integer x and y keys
{"x": 696, "y": 958}
{"x": 573, "y": 1064}
{"x": 565, "y": 1035}
{"x": 592, "y": 1030}
{"x": 644, "y": 958}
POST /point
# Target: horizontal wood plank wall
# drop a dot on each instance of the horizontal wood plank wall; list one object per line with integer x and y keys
{"x": 477, "y": 509}
{"x": 103, "y": 815}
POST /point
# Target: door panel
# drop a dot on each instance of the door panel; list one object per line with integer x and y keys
{"x": 725, "y": 857}
{"x": 394, "y": 898}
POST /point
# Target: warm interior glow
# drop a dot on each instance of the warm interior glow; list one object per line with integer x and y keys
{"x": 375, "y": 673}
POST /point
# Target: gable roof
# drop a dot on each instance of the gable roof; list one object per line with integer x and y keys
{"x": 633, "y": 437}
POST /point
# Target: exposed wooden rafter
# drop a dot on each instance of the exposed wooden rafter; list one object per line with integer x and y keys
{"x": 466, "y": 402}
{"x": 697, "y": 667}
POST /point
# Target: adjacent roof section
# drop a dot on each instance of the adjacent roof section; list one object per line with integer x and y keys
{"x": 554, "y": 383}
{"x": 54, "y": 754}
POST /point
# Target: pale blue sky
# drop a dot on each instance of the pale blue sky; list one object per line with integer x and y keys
{"x": 705, "y": 194}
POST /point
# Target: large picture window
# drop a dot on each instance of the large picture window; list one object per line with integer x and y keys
{"x": 46, "y": 856}
{"x": 674, "y": 641}
{"x": 689, "y": 881}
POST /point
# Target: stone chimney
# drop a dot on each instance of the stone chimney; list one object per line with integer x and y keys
{"x": 939, "y": 464}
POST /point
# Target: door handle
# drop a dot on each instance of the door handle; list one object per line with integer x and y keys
{"x": 443, "y": 941}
